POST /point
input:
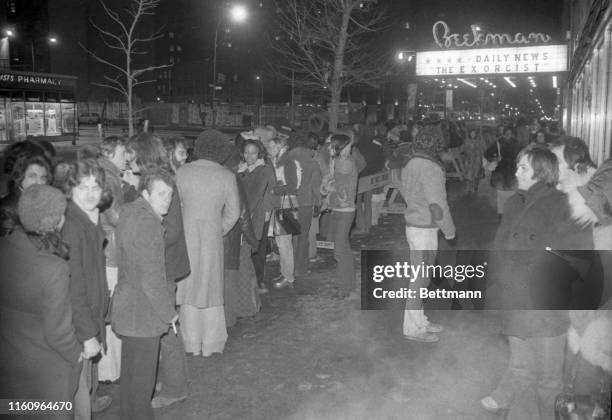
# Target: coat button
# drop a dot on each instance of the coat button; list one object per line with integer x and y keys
{"x": 532, "y": 236}
{"x": 516, "y": 235}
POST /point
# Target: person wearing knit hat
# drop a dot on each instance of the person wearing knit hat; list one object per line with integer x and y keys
{"x": 41, "y": 356}
{"x": 211, "y": 207}
{"x": 424, "y": 187}
{"x": 41, "y": 209}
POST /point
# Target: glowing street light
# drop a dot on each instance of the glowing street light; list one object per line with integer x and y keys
{"x": 238, "y": 13}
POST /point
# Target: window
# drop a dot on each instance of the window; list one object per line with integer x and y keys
{"x": 171, "y": 35}
{"x": 171, "y": 47}
{"x": 171, "y": 60}
{"x": 52, "y": 119}
{"x": 3, "y": 119}
{"x": 35, "y": 119}
{"x": 178, "y": 48}
{"x": 19, "y": 120}
{"x": 68, "y": 120}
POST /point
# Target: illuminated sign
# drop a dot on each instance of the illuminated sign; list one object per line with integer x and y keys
{"x": 481, "y": 39}
{"x": 535, "y": 59}
{"x": 22, "y": 80}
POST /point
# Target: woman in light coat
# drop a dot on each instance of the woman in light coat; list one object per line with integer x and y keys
{"x": 211, "y": 207}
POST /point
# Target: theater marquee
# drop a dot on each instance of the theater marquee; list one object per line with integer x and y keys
{"x": 532, "y": 59}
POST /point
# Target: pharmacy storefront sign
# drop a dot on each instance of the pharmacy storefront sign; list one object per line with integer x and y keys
{"x": 487, "y": 61}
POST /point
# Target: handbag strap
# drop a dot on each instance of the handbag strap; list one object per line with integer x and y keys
{"x": 290, "y": 201}
{"x": 499, "y": 156}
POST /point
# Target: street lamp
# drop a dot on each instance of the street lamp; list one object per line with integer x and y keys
{"x": 238, "y": 14}
{"x": 5, "y": 56}
{"x": 52, "y": 40}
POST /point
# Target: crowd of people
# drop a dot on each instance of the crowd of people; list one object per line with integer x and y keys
{"x": 120, "y": 262}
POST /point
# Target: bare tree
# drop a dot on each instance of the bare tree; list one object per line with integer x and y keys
{"x": 328, "y": 45}
{"x": 125, "y": 37}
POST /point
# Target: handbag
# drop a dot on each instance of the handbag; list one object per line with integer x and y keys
{"x": 285, "y": 221}
{"x": 491, "y": 165}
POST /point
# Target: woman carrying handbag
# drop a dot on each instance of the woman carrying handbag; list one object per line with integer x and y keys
{"x": 288, "y": 175}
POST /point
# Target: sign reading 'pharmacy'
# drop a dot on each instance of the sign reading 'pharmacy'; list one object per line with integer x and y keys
{"x": 531, "y": 59}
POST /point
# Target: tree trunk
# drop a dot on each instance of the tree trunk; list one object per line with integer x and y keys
{"x": 336, "y": 82}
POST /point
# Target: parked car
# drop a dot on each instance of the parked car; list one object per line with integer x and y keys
{"x": 89, "y": 118}
{"x": 122, "y": 119}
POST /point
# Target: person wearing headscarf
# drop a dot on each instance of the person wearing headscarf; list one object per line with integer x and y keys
{"x": 211, "y": 207}
{"x": 427, "y": 212}
{"x": 41, "y": 355}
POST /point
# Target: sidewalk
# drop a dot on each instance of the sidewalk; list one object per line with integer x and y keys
{"x": 307, "y": 355}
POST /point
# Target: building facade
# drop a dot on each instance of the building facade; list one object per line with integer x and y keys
{"x": 589, "y": 100}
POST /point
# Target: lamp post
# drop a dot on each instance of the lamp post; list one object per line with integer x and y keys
{"x": 238, "y": 13}
{"x": 5, "y": 55}
{"x": 52, "y": 41}
{"x": 261, "y": 97}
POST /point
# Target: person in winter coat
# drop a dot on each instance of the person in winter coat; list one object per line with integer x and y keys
{"x": 588, "y": 368}
{"x": 41, "y": 355}
{"x": 427, "y": 212}
{"x": 26, "y": 170}
{"x": 473, "y": 150}
{"x": 504, "y": 151}
{"x": 259, "y": 180}
{"x": 307, "y": 194}
{"x": 534, "y": 219}
{"x": 84, "y": 183}
{"x": 211, "y": 207}
{"x": 240, "y": 282}
{"x": 113, "y": 161}
{"x": 143, "y": 305}
{"x": 341, "y": 188}
{"x": 372, "y": 149}
{"x": 151, "y": 152}
{"x": 288, "y": 179}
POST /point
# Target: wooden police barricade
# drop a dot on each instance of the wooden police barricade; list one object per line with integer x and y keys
{"x": 366, "y": 183}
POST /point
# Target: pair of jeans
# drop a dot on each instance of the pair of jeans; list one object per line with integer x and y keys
{"x": 83, "y": 397}
{"x": 312, "y": 237}
{"x": 341, "y": 222}
{"x": 423, "y": 243}
{"x": 259, "y": 257}
{"x": 172, "y": 370}
{"x": 139, "y": 357}
{"x": 363, "y": 215}
{"x": 534, "y": 377}
{"x": 301, "y": 241}
{"x": 285, "y": 251}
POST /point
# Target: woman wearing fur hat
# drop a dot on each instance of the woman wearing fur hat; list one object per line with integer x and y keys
{"x": 41, "y": 355}
{"x": 211, "y": 207}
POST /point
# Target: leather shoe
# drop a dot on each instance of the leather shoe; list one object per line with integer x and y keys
{"x": 434, "y": 328}
{"x": 101, "y": 403}
{"x": 282, "y": 283}
{"x": 423, "y": 337}
{"x": 489, "y": 404}
{"x": 161, "y": 402}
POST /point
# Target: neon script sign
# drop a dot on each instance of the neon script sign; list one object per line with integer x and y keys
{"x": 444, "y": 39}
